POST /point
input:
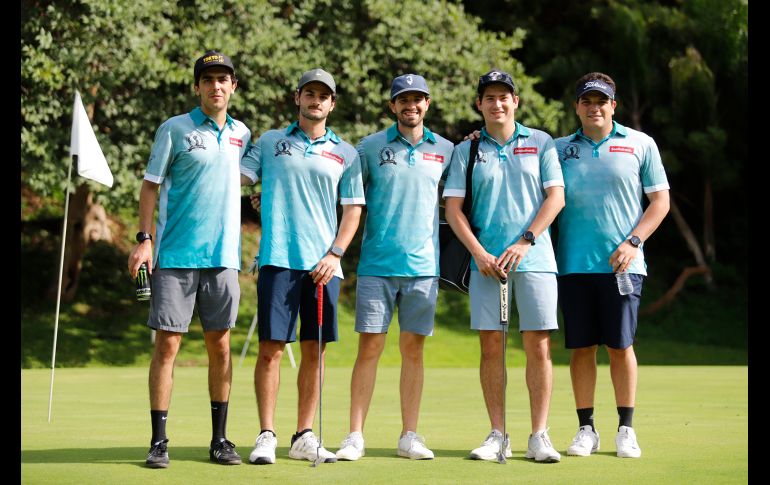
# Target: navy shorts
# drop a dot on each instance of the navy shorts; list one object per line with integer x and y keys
{"x": 282, "y": 294}
{"x": 595, "y": 313}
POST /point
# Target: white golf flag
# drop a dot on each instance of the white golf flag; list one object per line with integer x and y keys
{"x": 91, "y": 162}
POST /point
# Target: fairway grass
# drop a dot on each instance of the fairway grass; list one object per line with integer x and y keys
{"x": 692, "y": 424}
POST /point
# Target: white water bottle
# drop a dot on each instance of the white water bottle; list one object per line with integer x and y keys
{"x": 625, "y": 286}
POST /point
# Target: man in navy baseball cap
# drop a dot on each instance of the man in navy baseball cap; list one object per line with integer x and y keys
{"x": 408, "y": 82}
{"x": 495, "y": 76}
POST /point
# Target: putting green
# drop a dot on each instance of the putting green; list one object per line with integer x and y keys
{"x": 692, "y": 424}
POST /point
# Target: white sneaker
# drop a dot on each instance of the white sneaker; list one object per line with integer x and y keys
{"x": 541, "y": 449}
{"x": 264, "y": 449}
{"x": 306, "y": 447}
{"x": 626, "y": 444}
{"x": 490, "y": 447}
{"x": 412, "y": 446}
{"x": 586, "y": 441}
{"x": 352, "y": 447}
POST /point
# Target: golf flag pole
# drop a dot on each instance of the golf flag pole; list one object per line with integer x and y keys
{"x": 85, "y": 149}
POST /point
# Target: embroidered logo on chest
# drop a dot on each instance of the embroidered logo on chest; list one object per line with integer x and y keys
{"x": 571, "y": 151}
{"x": 525, "y": 151}
{"x": 433, "y": 157}
{"x": 621, "y": 149}
{"x": 387, "y": 155}
{"x": 236, "y": 141}
{"x": 333, "y": 156}
{"x": 194, "y": 141}
{"x": 282, "y": 147}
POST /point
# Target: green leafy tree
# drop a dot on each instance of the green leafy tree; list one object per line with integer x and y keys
{"x": 132, "y": 63}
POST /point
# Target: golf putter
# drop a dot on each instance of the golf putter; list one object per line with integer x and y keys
{"x": 320, "y": 294}
{"x": 504, "y": 325}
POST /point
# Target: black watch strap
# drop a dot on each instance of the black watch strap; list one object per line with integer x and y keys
{"x": 528, "y": 236}
{"x": 143, "y": 236}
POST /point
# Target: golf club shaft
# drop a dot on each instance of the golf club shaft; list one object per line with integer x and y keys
{"x": 504, "y": 325}
{"x": 320, "y": 292}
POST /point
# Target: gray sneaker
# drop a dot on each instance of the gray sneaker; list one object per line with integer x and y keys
{"x": 157, "y": 457}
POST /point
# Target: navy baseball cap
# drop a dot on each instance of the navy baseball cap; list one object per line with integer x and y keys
{"x": 495, "y": 76}
{"x": 408, "y": 82}
{"x": 317, "y": 75}
{"x": 595, "y": 85}
{"x": 210, "y": 59}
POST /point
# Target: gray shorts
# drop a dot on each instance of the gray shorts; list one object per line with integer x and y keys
{"x": 176, "y": 292}
{"x": 378, "y": 296}
{"x": 536, "y": 296}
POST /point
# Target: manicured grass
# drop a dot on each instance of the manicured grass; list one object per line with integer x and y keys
{"x": 692, "y": 424}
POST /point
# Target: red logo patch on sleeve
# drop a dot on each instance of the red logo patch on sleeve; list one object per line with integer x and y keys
{"x": 525, "y": 151}
{"x": 333, "y": 156}
{"x": 622, "y": 149}
{"x": 236, "y": 141}
{"x": 433, "y": 157}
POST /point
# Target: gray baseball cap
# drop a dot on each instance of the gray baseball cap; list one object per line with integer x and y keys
{"x": 317, "y": 75}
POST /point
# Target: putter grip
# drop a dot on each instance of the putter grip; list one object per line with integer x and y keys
{"x": 320, "y": 293}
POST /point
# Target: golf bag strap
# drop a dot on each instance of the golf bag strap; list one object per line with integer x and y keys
{"x": 468, "y": 201}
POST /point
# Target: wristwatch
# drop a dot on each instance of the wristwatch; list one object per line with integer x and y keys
{"x": 528, "y": 236}
{"x": 337, "y": 251}
{"x": 635, "y": 241}
{"x": 143, "y": 236}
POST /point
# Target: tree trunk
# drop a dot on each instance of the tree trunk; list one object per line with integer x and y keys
{"x": 86, "y": 222}
{"x": 691, "y": 241}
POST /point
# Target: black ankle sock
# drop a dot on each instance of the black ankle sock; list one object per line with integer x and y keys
{"x": 218, "y": 420}
{"x": 625, "y": 417}
{"x": 271, "y": 431}
{"x": 586, "y": 417}
{"x": 296, "y": 435}
{"x": 158, "y": 420}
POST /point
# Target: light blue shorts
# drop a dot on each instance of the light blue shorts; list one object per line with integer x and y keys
{"x": 378, "y": 296}
{"x": 177, "y": 291}
{"x": 536, "y": 300}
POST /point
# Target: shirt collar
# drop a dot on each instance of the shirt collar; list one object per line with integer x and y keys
{"x": 328, "y": 136}
{"x": 521, "y": 130}
{"x": 617, "y": 129}
{"x": 198, "y": 117}
{"x": 392, "y": 134}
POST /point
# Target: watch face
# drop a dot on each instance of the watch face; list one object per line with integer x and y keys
{"x": 635, "y": 241}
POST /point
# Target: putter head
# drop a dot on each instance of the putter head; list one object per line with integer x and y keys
{"x": 317, "y": 458}
{"x": 501, "y": 452}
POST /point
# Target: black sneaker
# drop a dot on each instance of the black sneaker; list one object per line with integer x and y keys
{"x": 157, "y": 457}
{"x": 223, "y": 452}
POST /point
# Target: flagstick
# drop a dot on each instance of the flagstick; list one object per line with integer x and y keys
{"x": 58, "y": 292}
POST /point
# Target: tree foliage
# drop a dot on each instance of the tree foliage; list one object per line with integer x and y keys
{"x": 132, "y": 62}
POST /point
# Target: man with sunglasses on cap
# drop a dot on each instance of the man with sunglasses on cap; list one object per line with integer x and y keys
{"x": 398, "y": 268}
{"x": 195, "y": 161}
{"x": 304, "y": 169}
{"x": 517, "y": 192}
{"x": 606, "y": 168}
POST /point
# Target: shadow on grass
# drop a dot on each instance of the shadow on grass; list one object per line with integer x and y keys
{"x": 135, "y": 454}
{"x": 120, "y": 456}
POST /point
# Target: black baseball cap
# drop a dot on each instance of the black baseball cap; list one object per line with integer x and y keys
{"x": 495, "y": 76}
{"x": 595, "y": 85}
{"x": 211, "y": 58}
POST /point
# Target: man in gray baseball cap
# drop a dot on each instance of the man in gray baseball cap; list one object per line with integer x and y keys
{"x": 317, "y": 75}
{"x": 305, "y": 169}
